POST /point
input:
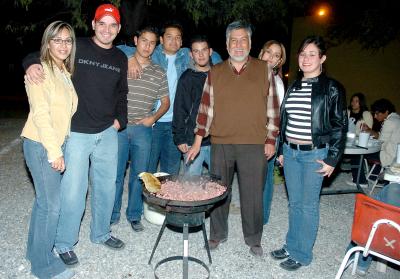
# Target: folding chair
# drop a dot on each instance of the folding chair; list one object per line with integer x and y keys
{"x": 376, "y": 231}
{"x": 373, "y": 179}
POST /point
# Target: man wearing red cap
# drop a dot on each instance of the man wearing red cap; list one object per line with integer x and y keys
{"x": 92, "y": 147}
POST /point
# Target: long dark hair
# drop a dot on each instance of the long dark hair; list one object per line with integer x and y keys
{"x": 361, "y": 100}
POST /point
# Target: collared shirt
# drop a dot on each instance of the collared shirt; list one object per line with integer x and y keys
{"x": 236, "y": 72}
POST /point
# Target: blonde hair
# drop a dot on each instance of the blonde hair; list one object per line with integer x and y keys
{"x": 51, "y": 31}
{"x": 283, "y": 51}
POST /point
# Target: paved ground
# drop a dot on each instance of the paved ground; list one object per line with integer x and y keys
{"x": 231, "y": 260}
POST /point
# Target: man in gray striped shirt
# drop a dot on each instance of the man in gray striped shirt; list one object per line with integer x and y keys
{"x": 134, "y": 142}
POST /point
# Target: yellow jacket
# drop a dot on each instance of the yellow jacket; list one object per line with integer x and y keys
{"x": 52, "y": 104}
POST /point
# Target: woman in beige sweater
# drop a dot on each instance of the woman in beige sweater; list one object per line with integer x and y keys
{"x": 52, "y": 104}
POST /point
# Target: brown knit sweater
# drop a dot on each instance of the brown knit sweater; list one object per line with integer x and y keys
{"x": 240, "y": 109}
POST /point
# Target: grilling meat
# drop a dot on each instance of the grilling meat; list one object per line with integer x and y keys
{"x": 190, "y": 191}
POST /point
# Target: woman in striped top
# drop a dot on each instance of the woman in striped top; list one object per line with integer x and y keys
{"x": 313, "y": 133}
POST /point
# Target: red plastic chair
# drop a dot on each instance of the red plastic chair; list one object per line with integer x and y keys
{"x": 376, "y": 231}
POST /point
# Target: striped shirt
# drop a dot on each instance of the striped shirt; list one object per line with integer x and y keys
{"x": 144, "y": 92}
{"x": 298, "y": 109}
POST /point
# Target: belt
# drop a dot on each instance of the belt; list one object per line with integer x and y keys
{"x": 305, "y": 147}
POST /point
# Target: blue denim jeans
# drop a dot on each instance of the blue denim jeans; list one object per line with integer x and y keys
{"x": 164, "y": 150}
{"x": 303, "y": 184}
{"x": 390, "y": 194}
{"x": 134, "y": 143}
{"x": 196, "y": 166}
{"x": 268, "y": 189}
{"x": 100, "y": 152}
{"x": 45, "y": 212}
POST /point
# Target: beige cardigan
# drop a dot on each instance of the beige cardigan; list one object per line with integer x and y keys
{"x": 52, "y": 104}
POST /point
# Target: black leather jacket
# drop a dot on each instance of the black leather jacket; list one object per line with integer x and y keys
{"x": 328, "y": 116}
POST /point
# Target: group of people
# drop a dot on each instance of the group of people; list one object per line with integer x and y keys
{"x": 95, "y": 108}
{"x": 388, "y": 131}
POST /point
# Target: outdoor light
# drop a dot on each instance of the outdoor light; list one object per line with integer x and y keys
{"x": 321, "y": 12}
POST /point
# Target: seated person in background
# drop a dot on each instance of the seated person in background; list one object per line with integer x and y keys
{"x": 390, "y": 194}
{"x": 358, "y": 112}
{"x": 384, "y": 112}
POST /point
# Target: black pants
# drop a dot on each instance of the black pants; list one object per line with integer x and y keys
{"x": 251, "y": 164}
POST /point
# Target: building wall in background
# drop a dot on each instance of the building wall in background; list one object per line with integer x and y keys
{"x": 376, "y": 74}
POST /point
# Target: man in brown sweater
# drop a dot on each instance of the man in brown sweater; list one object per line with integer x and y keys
{"x": 243, "y": 120}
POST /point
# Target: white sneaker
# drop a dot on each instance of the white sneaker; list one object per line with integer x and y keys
{"x": 351, "y": 183}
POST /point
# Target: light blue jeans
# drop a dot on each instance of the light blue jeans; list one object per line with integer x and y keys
{"x": 164, "y": 150}
{"x": 303, "y": 184}
{"x": 196, "y": 166}
{"x": 45, "y": 212}
{"x": 134, "y": 143}
{"x": 268, "y": 189}
{"x": 100, "y": 152}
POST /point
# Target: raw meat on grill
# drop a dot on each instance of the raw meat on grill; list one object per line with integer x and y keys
{"x": 190, "y": 191}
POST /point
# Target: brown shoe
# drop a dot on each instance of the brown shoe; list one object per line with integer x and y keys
{"x": 256, "y": 250}
{"x": 213, "y": 244}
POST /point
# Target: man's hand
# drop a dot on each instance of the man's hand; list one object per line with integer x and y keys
{"x": 192, "y": 153}
{"x": 194, "y": 149}
{"x": 58, "y": 164}
{"x": 326, "y": 169}
{"x": 134, "y": 69}
{"x": 116, "y": 125}
{"x": 183, "y": 147}
{"x": 269, "y": 150}
{"x": 35, "y": 74}
{"x": 147, "y": 121}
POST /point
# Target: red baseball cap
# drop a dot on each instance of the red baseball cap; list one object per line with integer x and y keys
{"x": 107, "y": 9}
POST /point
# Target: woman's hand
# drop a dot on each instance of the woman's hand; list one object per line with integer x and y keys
{"x": 326, "y": 169}
{"x": 280, "y": 160}
{"x": 269, "y": 150}
{"x": 58, "y": 164}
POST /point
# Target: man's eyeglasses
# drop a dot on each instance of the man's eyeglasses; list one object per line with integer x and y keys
{"x": 59, "y": 41}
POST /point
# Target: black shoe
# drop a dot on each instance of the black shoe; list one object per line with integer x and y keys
{"x": 69, "y": 258}
{"x": 114, "y": 243}
{"x": 280, "y": 254}
{"x": 290, "y": 265}
{"x": 137, "y": 226}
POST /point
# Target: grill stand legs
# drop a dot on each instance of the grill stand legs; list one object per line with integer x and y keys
{"x": 185, "y": 258}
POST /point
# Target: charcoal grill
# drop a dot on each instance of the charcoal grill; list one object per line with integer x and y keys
{"x": 184, "y": 214}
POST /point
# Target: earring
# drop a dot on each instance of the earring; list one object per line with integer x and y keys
{"x": 320, "y": 68}
{"x": 299, "y": 70}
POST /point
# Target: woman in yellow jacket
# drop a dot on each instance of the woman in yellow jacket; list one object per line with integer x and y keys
{"x": 52, "y": 104}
